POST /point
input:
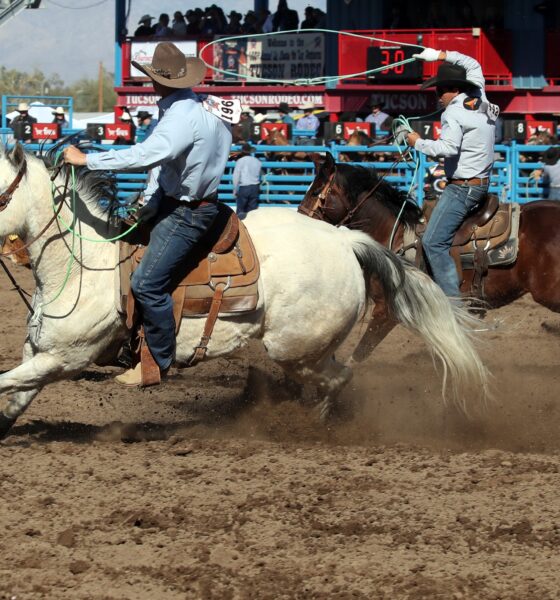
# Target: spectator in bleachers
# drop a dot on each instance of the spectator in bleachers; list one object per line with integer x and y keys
{"x": 194, "y": 18}
{"x": 146, "y": 28}
{"x": 264, "y": 21}
{"x": 380, "y": 119}
{"x": 246, "y": 181}
{"x": 179, "y": 27}
{"x": 234, "y": 25}
{"x": 285, "y": 19}
{"x": 59, "y": 117}
{"x": 310, "y": 21}
{"x": 250, "y": 24}
{"x": 23, "y": 117}
{"x": 320, "y": 18}
{"x": 162, "y": 27}
{"x": 285, "y": 112}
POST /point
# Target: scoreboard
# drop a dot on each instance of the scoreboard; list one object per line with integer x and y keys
{"x": 378, "y": 56}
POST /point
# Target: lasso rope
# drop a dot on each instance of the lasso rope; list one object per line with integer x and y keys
{"x": 306, "y": 81}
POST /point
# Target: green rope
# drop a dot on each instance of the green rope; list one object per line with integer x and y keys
{"x": 306, "y": 81}
{"x": 75, "y": 235}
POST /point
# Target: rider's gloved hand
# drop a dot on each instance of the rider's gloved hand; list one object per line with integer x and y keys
{"x": 428, "y": 54}
{"x": 148, "y": 212}
{"x": 400, "y": 135}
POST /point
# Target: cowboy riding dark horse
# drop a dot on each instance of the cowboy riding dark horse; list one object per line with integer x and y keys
{"x": 187, "y": 154}
{"x": 467, "y": 145}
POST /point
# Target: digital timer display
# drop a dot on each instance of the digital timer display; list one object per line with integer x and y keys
{"x": 379, "y": 56}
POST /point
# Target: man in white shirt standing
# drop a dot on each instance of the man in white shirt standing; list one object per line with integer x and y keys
{"x": 467, "y": 145}
{"x": 187, "y": 154}
{"x": 246, "y": 181}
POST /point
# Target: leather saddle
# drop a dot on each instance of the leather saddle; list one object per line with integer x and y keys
{"x": 219, "y": 278}
{"x": 488, "y": 226}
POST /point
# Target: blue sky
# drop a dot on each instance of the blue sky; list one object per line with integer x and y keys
{"x": 68, "y": 38}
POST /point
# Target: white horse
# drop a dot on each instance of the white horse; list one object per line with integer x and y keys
{"x": 312, "y": 292}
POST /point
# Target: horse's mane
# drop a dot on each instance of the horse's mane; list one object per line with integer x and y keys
{"x": 97, "y": 189}
{"x": 357, "y": 180}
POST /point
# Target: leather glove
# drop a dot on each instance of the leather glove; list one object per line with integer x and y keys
{"x": 428, "y": 54}
{"x": 400, "y": 135}
{"x": 148, "y": 212}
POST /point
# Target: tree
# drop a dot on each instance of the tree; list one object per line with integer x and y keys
{"x": 19, "y": 83}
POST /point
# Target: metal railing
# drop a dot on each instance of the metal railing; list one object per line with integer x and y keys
{"x": 285, "y": 183}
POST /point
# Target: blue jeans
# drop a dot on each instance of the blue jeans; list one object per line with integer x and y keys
{"x": 178, "y": 228}
{"x": 247, "y": 199}
{"x": 455, "y": 204}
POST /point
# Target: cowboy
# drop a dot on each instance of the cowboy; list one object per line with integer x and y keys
{"x": 467, "y": 145}
{"x": 127, "y": 119}
{"x": 309, "y": 122}
{"x": 60, "y": 117}
{"x": 380, "y": 119}
{"x": 146, "y": 124}
{"x": 187, "y": 153}
{"x": 146, "y": 28}
{"x": 246, "y": 181}
{"x": 24, "y": 117}
{"x": 285, "y": 114}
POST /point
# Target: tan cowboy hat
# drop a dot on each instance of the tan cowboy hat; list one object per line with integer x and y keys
{"x": 58, "y": 111}
{"x": 259, "y": 118}
{"x": 23, "y": 107}
{"x": 171, "y": 68}
{"x": 308, "y": 106}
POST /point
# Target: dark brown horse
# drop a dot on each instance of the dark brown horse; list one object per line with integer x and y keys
{"x": 354, "y": 196}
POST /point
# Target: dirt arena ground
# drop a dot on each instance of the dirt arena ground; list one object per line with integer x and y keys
{"x": 201, "y": 490}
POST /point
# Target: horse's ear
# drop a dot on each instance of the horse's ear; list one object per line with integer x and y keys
{"x": 16, "y": 156}
{"x": 329, "y": 162}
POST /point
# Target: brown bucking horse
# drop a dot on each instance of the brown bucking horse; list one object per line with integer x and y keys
{"x": 357, "y": 198}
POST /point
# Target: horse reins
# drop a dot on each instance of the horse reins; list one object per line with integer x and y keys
{"x": 5, "y": 199}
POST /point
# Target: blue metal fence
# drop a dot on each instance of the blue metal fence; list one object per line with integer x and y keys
{"x": 285, "y": 183}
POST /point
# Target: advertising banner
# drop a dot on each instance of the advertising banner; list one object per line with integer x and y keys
{"x": 143, "y": 52}
{"x": 278, "y": 57}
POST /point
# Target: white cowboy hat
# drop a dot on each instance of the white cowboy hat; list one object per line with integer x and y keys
{"x": 308, "y": 106}
{"x": 125, "y": 117}
{"x": 58, "y": 111}
{"x": 23, "y": 107}
{"x": 259, "y": 118}
{"x": 246, "y": 109}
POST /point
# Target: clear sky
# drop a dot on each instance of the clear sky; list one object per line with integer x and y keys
{"x": 70, "y": 37}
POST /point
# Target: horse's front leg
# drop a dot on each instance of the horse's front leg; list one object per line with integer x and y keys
{"x": 26, "y": 381}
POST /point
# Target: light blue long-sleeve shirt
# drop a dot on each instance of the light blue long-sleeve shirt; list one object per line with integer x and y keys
{"x": 247, "y": 171}
{"x": 467, "y": 129}
{"x": 187, "y": 151}
{"x": 309, "y": 123}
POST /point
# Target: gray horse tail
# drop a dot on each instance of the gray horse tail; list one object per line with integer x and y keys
{"x": 419, "y": 304}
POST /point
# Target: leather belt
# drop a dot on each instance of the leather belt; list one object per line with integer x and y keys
{"x": 472, "y": 181}
{"x": 193, "y": 203}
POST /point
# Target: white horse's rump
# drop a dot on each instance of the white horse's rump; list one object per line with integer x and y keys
{"x": 312, "y": 286}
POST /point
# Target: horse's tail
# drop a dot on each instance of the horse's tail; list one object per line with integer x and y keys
{"x": 415, "y": 301}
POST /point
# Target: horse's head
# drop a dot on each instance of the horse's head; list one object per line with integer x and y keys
{"x": 324, "y": 199}
{"x": 13, "y": 184}
{"x": 276, "y": 138}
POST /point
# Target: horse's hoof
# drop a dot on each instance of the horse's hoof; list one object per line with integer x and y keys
{"x": 6, "y": 424}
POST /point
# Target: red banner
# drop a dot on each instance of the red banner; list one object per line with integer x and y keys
{"x": 350, "y": 128}
{"x": 118, "y": 130}
{"x": 45, "y": 131}
{"x": 534, "y": 127}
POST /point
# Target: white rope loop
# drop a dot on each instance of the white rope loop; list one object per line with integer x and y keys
{"x": 303, "y": 81}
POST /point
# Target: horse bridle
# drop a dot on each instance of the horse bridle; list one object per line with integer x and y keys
{"x": 6, "y": 197}
{"x": 318, "y": 207}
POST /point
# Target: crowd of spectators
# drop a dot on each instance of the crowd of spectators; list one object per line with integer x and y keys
{"x": 213, "y": 21}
